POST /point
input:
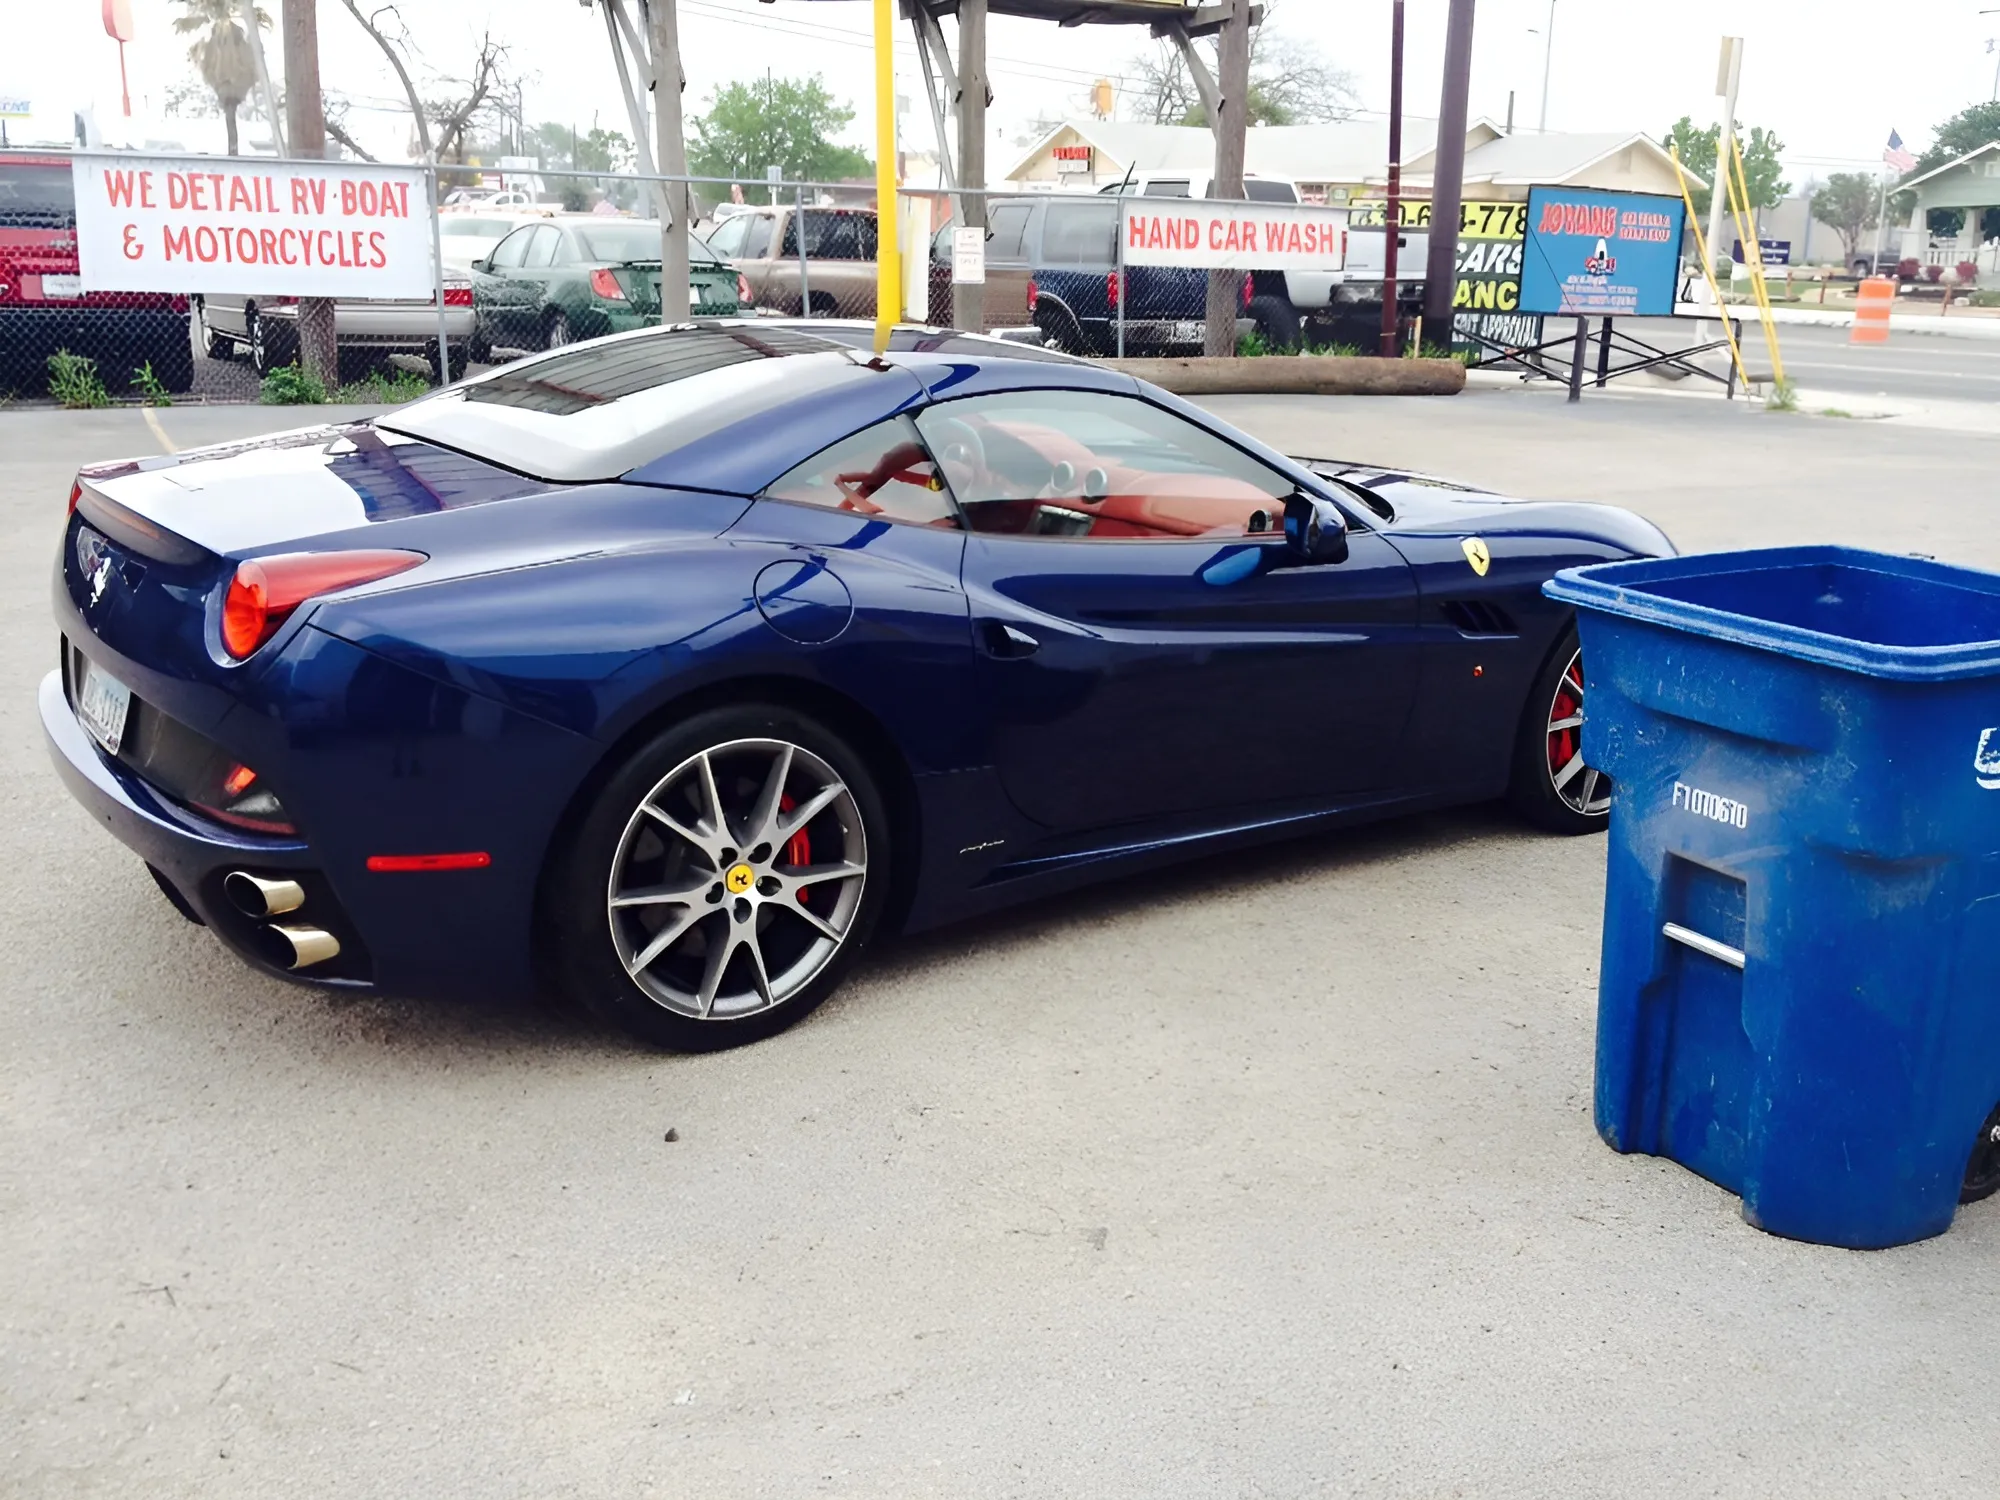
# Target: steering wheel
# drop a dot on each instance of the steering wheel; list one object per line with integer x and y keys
{"x": 960, "y": 454}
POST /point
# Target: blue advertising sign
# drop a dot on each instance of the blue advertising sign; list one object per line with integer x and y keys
{"x": 1592, "y": 254}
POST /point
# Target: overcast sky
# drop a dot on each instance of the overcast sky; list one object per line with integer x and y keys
{"x": 1832, "y": 77}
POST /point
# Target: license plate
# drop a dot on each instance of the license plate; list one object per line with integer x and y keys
{"x": 1190, "y": 331}
{"x": 62, "y": 286}
{"x": 102, "y": 707}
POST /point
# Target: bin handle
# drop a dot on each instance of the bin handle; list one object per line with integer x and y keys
{"x": 1695, "y": 940}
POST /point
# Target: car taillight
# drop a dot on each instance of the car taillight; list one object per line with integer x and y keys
{"x": 603, "y": 284}
{"x": 1114, "y": 287}
{"x": 1249, "y": 290}
{"x": 265, "y": 590}
{"x": 458, "y": 296}
{"x": 75, "y": 494}
{"x": 1034, "y": 294}
{"x": 743, "y": 297}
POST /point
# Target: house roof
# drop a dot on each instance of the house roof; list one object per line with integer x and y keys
{"x": 1949, "y": 166}
{"x": 1552, "y": 158}
{"x": 1346, "y": 152}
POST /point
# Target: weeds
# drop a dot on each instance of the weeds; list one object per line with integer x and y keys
{"x": 75, "y": 383}
{"x": 383, "y": 388}
{"x": 1252, "y": 345}
{"x": 292, "y": 385}
{"x": 1783, "y": 396}
{"x": 152, "y": 392}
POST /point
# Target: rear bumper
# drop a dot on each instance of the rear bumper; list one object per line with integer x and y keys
{"x": 410, "y": 325}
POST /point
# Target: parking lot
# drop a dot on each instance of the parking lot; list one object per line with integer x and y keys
{"x": 1272, "y": 1176}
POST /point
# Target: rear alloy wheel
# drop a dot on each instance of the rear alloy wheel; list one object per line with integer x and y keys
{"x": 1552, "y": 787}
{"x": 725, "y": 880}
{"x": 1982, "y": 1168}
{"x": 557, "y": 332}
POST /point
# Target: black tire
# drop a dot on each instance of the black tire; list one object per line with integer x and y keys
{"x": 1277, "y": 321}
{"x": 173, "y": 365}
{"x": 477, "y": 350}
{"x": 460, "y": 353}
{"x": 619, "y": 846}
{"x": 1571, "y": 799}
{"x": 1982, "y": 1167}
{"x": 214, "y": 345}
{"x": 274, "y": 343}
{"x": 556, "y": 330}
{"x": 1060, "y": 330}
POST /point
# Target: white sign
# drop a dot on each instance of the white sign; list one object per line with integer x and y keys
{"x": 237, "y": 225}
{"x": 1071, "y": 159}
{"x": 1200, "y": 234}
{"x": 968, "y": 257}
{"x": 15, "y": 107}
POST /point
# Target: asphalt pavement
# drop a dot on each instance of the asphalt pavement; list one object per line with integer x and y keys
{"x": 1273, "y": 1176}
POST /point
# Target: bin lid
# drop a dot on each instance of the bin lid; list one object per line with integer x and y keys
{"x": 1907, "y": 618}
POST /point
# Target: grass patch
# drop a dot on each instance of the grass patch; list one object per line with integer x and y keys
{"x": 1834, "y": 411}
{"x": 152, "y": 392}
{"x": 383, "y": 388}
{"x": 75, "y": 383}
{"x": 292, "y": 385}
{"x": 1783, "y": 396}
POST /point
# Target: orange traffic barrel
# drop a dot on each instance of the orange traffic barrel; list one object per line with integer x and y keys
{"x": 1872, "y": 302}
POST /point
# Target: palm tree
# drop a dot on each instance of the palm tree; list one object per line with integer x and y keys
{"x": 222, "y": 53}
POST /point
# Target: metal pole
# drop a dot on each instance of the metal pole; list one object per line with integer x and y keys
{"x": 1392, "y": 214}
{"x": 1548, "y": 57}
{"x": 888, "y": 268}
{"x": 1576, "y": 359}
{"x": 1881, "y": 225}
{"x": 968, "y": 301}
{"x": 1120, "y": 310}
{"x": 805, "y": 274}
{"x": 1604, "y": 354}
{"x": 1448, "y": 177}
{"x": 1728, "y": 74}
{"x": 672, "y": 155}
{"x": 248, "y": 11}
{"x": 437, "y": 270}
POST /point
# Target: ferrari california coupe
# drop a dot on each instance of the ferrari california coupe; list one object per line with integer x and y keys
{"x": 667, "y": 670}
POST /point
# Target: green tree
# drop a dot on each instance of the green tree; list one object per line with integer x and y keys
{"x": 1762, "y": 169}
{"x": 783, "y": 122}
{"x": 221, "y": 53}
{"x": 1849, "y": 202}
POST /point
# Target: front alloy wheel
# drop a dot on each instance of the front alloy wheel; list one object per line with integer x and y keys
{"x": 725, "y": 879}
{"x": 1583, "y": 789}
{"x": 1552, "y": 787}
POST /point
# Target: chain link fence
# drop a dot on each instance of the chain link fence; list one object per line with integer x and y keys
{"x": 533, "y": 259}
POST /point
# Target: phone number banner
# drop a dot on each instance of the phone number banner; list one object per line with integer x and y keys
{"x": 1599, "y": 254}
{"x": 1487, "y": 298}
{"x": 240, "y": 225}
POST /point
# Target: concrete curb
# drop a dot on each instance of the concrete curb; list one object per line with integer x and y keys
{"x": 1301, "y": 375}
{"x": 1946, "y": 326}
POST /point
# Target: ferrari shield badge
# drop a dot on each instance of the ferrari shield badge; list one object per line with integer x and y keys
{"x": 1477, "y": 555}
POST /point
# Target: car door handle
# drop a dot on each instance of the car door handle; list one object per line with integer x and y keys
{"x": 1007, "y": 642}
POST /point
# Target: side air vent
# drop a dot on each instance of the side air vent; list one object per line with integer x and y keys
{"x": 1479, "y": 617}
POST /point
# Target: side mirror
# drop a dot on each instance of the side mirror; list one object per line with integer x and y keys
{"x": 480, "y": 264}
{"x": 1315, "y": 530}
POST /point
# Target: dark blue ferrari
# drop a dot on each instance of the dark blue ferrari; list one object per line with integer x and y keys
{"x": 667, "y": 670}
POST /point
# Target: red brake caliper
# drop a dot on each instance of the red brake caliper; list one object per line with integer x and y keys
{"x": 1563, "y": 742}
{"x": 799, "y": 848}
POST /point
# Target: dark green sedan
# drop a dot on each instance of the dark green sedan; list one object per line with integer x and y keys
{"x": 562, "y": 279}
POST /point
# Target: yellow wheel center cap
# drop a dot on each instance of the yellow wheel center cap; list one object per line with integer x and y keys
{"x": 739, "y": 879}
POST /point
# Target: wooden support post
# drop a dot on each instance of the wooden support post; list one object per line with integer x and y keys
{"x": 305, "y": 133}
{"x": 1231, "y": 125}
{"x": 968, "y": 302}
{"x": 1392, "y": 214}
{"x": 1448, "y": 176}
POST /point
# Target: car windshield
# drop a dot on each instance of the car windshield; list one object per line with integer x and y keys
{"x": 633, "y": 239}
{"x": 490, "y": 229}
{"x": 35, "y": 195}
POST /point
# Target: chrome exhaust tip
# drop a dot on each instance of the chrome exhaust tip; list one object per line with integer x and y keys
{"x": 297, "y": 947}
{"x": 255, "y": 896}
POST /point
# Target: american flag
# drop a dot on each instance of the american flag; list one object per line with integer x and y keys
{"x": 1897, "y": 157}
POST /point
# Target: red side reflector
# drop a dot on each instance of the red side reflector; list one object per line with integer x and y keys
{"x": 392, "y": 863}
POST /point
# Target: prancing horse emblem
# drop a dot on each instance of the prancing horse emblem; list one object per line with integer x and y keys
{"x": 1477, "y": 555}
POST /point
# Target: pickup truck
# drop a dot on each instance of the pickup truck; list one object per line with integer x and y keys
{"x": 762, "y": 243}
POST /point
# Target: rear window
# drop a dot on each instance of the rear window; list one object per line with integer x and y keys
{"x": 635, "y": 240}
{"x": 458, "y": 225}
{"x": 35, "y": 195}
{"x": 1080, "y": 234}
{"x": 1259, "y": 190}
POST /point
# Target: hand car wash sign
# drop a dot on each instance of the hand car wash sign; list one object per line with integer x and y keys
{"x": 1201, "y": 235}
{"x": 238, "y": 225}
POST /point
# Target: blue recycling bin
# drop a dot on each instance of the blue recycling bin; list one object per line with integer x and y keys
{"x": 1800, "y": 988}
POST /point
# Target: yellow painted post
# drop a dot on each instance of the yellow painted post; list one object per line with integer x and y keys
{"x": 1740, "y": 183}
{"x": 888, "y": 223}
{"x": 1707, "y": 269}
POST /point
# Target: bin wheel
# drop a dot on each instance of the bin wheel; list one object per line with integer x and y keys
{"x": 1552, "y": 787}
{"x": 1982, "y": 1168}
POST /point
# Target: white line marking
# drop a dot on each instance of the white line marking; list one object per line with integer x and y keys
{"x": 159, "y": 432}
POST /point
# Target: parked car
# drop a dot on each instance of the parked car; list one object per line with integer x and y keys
{"x": 369, "y": 330}
{"x": 1053, "y": 259}
{"x": 465, "y": 238}
{"x": 580, "y": 275}
{"x": 1281, "y": 302}
{"x": 672, "y": 667}
{"x": 838, "y": 280}
{"x": 43, "y": 306}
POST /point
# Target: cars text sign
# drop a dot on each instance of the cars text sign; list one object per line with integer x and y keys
{"x": 1203, "y": 235}
{"x": 1591, "y": 254}
{"x": 239, "y": 225}
{"x": 1486, "y": 300}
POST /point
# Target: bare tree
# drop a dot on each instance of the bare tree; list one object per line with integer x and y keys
{"x": 336, "y": 126}
{"x": 1291, "y": 83}
{"x": 470, "y": 99}
{"x": 370, "y": 24}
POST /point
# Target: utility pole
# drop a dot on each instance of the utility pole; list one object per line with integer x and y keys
{"x": 1548, "y": 57}
{"x": 1392, "y": 212}
{"x": 305, "y": 131}
{"x": 1448, "y": 176}
{"x": 968, "y": 301}
{"x": 670, "y": 146}
{"x": 1232, "y": 124}
{"x": 1728, "y": 73}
